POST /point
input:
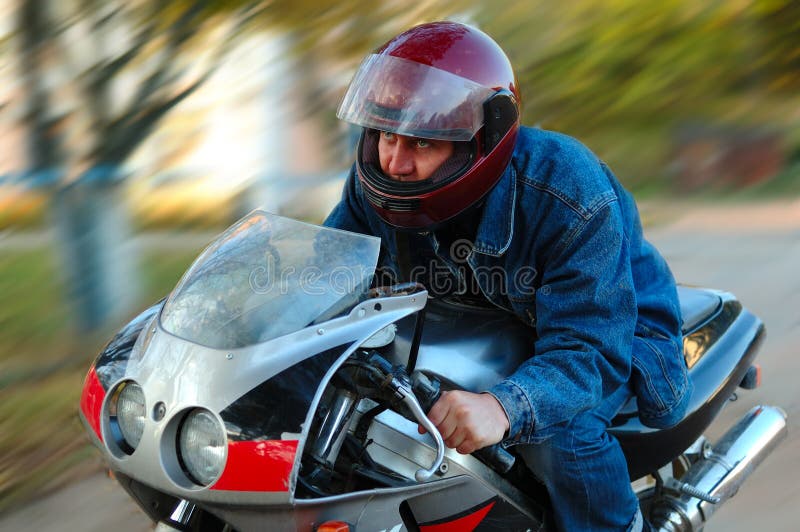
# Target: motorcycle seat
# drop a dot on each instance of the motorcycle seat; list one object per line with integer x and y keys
{"x": 697, "y": 306}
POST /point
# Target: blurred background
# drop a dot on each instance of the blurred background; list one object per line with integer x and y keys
{"x": 131, "y": 132}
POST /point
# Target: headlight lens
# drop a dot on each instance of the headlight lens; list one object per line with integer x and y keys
{"x": 201, "y": 443}
{"x": 131, "y": 413}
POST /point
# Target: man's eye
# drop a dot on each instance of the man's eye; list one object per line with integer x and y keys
{"x": 422, "y": 143}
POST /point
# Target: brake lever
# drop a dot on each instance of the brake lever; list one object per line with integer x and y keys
{"x": 406, "y": 395}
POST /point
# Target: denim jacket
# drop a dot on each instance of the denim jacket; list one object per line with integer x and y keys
{"x": 567, "y": 240}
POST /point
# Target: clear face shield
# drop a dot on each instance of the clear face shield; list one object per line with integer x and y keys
{"x": 408, "y": 98}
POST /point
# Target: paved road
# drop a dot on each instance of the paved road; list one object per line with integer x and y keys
{"x": 752, "y": 251}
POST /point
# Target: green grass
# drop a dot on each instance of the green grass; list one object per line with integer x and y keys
{"x": 34, "y": 313}
{"x": 160, "y": 272}
{"x": 40, "y": 435}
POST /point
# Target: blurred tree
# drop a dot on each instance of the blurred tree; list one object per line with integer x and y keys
{"x": 98, "y": 77}
{"x": 778, "y": 26}
{"x": 624, "y": 74}
{"x": 327, "y": 38}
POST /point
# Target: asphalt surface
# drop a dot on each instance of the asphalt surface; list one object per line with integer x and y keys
{"x": 752, "y": 251}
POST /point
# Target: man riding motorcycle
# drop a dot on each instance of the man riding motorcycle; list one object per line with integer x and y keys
{"x": 458, "y": 191}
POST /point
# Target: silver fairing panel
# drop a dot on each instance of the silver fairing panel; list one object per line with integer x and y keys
{"x": 182, "y": 376}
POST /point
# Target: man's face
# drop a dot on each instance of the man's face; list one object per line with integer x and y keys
{"x": 409, "y": 158}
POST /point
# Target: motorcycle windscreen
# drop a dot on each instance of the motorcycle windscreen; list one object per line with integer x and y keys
{"x": 268, "y": 276}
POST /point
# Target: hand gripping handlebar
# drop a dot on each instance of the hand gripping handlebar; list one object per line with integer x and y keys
{"x": 410, "y": 400}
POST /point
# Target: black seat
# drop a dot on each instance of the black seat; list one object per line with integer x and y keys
{"x": 697, "y": 306}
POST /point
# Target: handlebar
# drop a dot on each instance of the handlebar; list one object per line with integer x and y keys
{"x": 428, "y": 392}
{"x": 410, "y": 400}
{"x": 418, "y": 393}
{"x": 497, "y": 457}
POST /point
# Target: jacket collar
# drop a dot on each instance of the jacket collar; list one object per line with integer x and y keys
{"x": 496, "y": 228}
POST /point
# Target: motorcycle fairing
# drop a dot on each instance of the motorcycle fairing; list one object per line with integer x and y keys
{"x": 372, "y": 510}
{"x": 272, "y": 303}
{"x": 259, "y": 459}
{"x": 286, "y": 399}
{"x": 113, "y": 359}
{"x": 478, "y": 511}
{"x": 184, "y": 376}
{"x": 468, "y": 520}
{"x": 91, "y": 403}
{"x": 109, "y": 366}
{"x": 264, "y": 465}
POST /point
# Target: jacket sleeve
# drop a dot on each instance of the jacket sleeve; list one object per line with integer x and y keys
{"x": 349, "y": 213}
{"x": 585, "y": 318}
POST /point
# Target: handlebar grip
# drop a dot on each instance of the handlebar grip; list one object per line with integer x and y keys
{"x": 428, "y": 392}
{"x": 496, "y": 457}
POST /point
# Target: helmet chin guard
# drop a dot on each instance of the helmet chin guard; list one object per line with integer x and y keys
{"x": 444, "y": 81}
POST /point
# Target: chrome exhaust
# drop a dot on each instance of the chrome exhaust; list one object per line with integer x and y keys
{"x": 720, "y": 473}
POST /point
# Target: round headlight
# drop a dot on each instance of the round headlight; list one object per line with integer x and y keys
{"x": 131, "y": 413}
{"x": 201, "y": 443}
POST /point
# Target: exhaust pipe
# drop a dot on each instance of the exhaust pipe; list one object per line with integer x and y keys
{"x": 721, "y": 473}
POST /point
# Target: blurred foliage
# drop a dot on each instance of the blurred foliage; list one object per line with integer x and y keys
{"x": 345, "y": 30}
{"x": 777, "y": 23}
{"x": 41, "y": 440}
{"x": 624, "y": 75}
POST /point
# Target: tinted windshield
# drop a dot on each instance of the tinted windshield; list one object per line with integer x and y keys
{"x": 268, "y": 276}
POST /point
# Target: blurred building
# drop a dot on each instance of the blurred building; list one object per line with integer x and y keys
{"x": 243, "y": 140}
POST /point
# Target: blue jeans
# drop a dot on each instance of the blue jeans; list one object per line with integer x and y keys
{"x": 585, "y": 472}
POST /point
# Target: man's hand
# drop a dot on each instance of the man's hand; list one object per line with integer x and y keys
{"x": 468, "y": 421}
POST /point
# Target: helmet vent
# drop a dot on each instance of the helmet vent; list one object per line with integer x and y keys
{"x": 397, "y": 205}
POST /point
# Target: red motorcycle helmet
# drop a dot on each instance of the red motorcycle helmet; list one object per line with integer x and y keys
{"x": 441, "y": 80}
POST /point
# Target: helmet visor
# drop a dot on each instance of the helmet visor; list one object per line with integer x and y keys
{"x": 408, "y": 98}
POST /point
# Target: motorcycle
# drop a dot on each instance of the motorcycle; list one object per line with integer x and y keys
{"x": 276, "y": 389}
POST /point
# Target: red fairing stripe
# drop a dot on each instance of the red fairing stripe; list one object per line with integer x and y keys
{"x": 258, "y": 466}
{"x": 92, "y": 401}
{"x": 462, "y": 524}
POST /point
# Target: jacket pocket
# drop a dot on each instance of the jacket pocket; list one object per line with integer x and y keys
{"x": 660, "y": 380}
